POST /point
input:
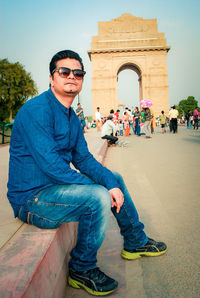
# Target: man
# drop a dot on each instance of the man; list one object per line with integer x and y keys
{"x": 98, "y": 119}
{"x": 188, "y": 119}
{"x": 173, "y": 115}
{"x": 44, "y": 191}
{"x": 80, "y": 114}
{"x": 108, "y": 130}
{"x": 98, "y": 115}
{"x": 146, "y": 114}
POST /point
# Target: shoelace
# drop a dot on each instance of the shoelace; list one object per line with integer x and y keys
{"x": 97, "y": 273}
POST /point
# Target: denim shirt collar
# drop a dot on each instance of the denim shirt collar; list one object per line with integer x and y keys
{"x": 62, "y": 107}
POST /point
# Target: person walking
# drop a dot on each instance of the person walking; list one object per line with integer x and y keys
{"x": 147, "y": 119}
{"x": 137, "y": 116}
{"x": 188, "y": 119}
{"x": 46, "y": 192}
{"x": 173, "y": 114}
{"x": 163, "y": 120}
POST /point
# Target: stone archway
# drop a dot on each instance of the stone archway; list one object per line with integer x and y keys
{"x": 129, "y": 42}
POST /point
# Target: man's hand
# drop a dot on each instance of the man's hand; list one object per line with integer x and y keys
{"x": 117, "y": 198}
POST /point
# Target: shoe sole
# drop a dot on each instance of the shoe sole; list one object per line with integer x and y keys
{"x": 136, "y": 255}
{"x": 77, "y": 285}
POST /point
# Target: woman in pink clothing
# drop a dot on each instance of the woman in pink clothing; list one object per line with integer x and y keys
{"x": 196, "y": 118}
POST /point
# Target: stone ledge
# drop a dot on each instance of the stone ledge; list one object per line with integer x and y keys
{"x": 34, "y": 262}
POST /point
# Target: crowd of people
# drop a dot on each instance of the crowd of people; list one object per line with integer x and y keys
{"x": 124, "y": 123}
{"x": 127, "y": 122}
{"x": 137, "y": 122}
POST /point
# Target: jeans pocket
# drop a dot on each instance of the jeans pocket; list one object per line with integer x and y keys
{"x": 41, "y": 222}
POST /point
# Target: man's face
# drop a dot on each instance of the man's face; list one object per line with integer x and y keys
{"x": 70, "y": 86}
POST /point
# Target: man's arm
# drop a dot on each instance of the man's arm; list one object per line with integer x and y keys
{"x": 84, "y": 161}
{"x": 38, "y": 135}
{"x": 78, "y": 113}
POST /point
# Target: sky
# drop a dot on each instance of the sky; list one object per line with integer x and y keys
{"x": 32, "y": 31}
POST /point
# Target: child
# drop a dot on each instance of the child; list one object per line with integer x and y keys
{"x": 163, "y": 122}
{"x": 121, "y": 128}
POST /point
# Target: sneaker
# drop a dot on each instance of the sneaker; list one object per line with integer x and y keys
{"x": 94, "y": 281}
{"x": 150, "y": 249}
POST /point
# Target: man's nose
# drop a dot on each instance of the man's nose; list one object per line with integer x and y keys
{"x": 71, "y": 75}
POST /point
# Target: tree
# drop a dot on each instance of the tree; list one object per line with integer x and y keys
{"x": 186, "y": 105}
{"x": 16, "y": 87}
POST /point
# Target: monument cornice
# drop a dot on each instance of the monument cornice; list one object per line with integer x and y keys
{"x": 131, "y": 49}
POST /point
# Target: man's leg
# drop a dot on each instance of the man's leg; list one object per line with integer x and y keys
{"x": 88, "y": 204}
{"x": 147, "y": 129}
{"x": 136, "y": 243}
{"x": 111, "y": 139}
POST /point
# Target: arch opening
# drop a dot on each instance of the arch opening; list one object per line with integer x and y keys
{"x": 129, "y": 86}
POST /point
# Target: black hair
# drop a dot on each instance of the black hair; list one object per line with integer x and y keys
{"x": 63, "y": 55}
{"x": 162, "y": 112}
{"x": 112, "y": 111}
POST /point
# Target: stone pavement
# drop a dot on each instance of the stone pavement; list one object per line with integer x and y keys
{"x": 162, "y": 175}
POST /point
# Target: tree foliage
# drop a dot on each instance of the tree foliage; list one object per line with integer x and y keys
{"x": 186, "y": 105}
{"x": 16, "y": 87}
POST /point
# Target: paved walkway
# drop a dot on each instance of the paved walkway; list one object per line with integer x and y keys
{"x": 162, "y": 175}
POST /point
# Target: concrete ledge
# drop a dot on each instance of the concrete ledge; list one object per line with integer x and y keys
{"x": 34, "y": 262}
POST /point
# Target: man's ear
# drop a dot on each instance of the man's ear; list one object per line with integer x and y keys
{"x": 51, "y": 80}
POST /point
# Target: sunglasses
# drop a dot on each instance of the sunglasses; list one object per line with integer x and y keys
{"x": 64, "y": 72}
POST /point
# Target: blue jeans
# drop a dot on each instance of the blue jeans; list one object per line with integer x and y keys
{"x": 90, "y": 205}
{"x": 137, "y": 126}
{"x": 82, "y": 123}
{"x": 131, "y": 126}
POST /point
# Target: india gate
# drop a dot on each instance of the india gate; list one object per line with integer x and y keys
{"x": 129, "y": 42}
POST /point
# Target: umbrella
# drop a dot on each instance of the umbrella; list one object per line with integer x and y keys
{"x": 146, "y": 103}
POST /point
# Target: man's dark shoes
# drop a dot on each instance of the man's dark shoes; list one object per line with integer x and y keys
{"x": 150, "y": 249}
{"x": 94, "y": 281}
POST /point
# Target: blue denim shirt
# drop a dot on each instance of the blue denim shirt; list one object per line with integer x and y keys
{"x": 46, "y": 137}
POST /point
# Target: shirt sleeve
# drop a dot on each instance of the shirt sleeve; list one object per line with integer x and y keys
{"x": 84, "y": 161}
{"x": 37, "y": 129}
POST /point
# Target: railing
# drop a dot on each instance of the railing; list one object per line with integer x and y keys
{"x": 5, "y": 132}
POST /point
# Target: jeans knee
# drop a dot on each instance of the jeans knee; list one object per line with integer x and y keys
{"x": 101, "y": 198}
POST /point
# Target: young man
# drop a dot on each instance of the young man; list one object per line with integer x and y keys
{"x": 44, "y": 191}
{"x": 108, "y": 130}
{"x": 80, "y": 114}
{"x": 98, "y": 115}
{"x": 173, "y": 115}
